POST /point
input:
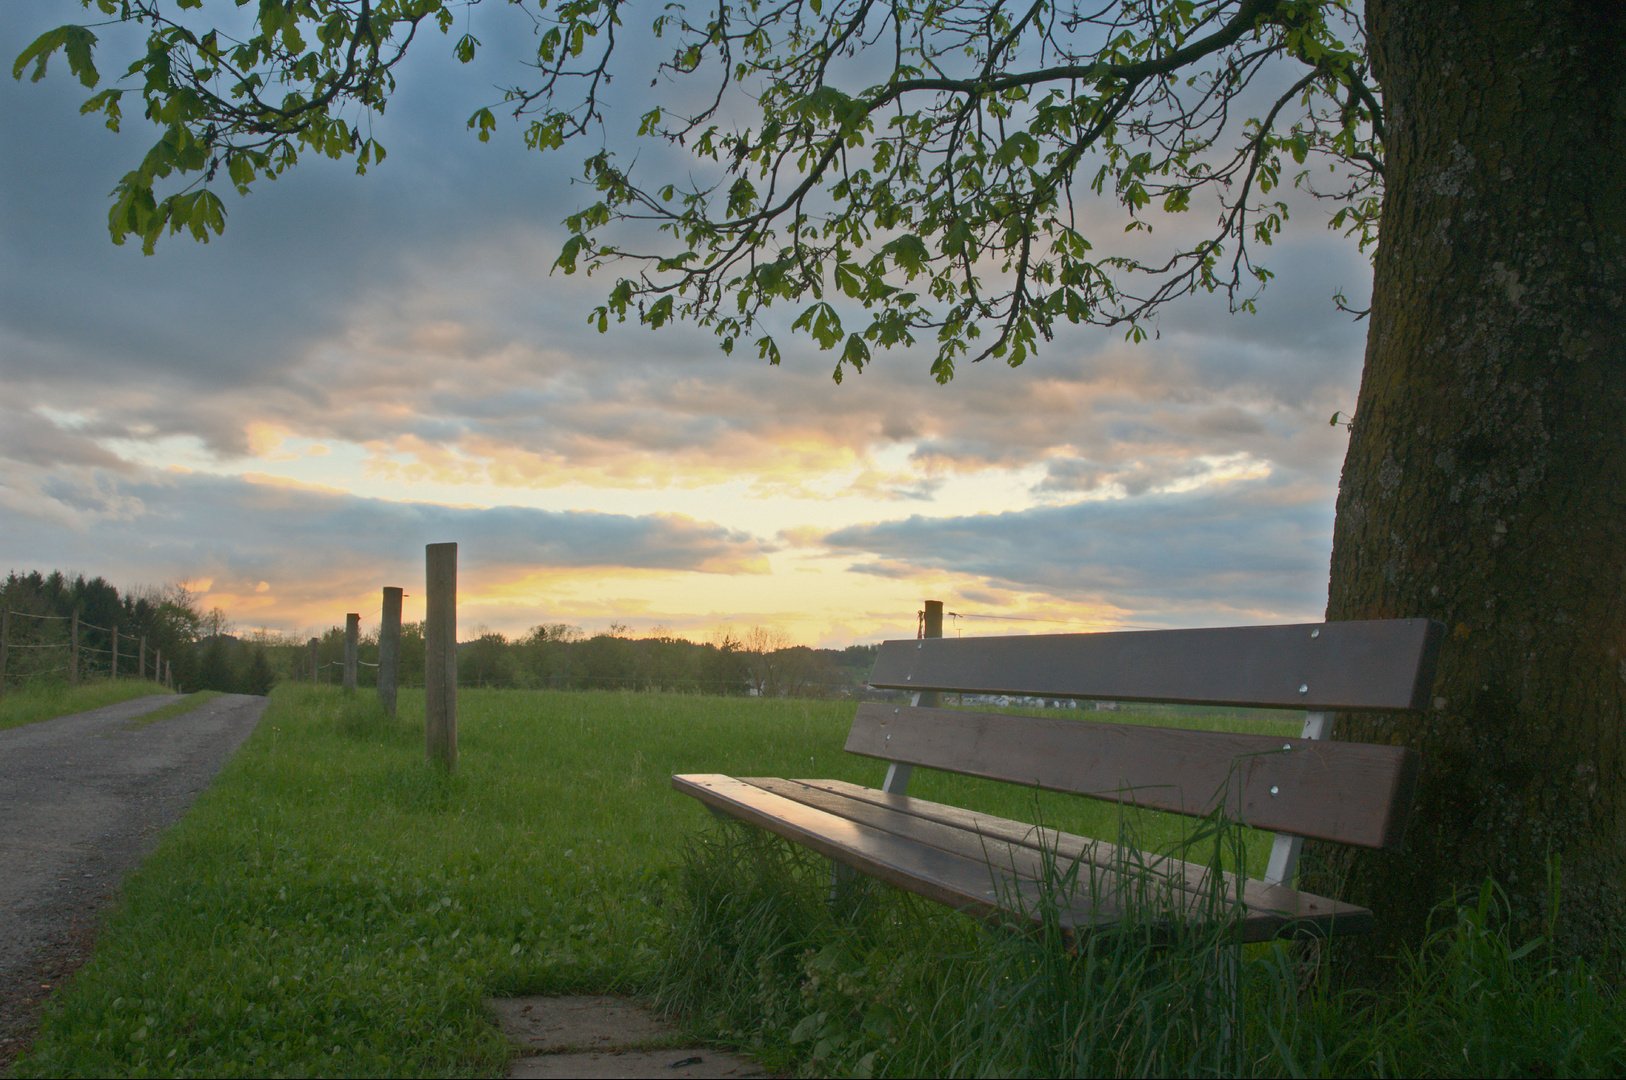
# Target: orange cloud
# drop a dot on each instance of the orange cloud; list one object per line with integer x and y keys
{"x": 290, "y": 484}
{"x": 802, "y": 535}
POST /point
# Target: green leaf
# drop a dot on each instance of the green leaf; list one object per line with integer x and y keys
{"x": 241, "y": 170}
{"x": 76, "y": 41}
{"x": 106, "y": 103}
{"x": 741, "y": 198}
{"x": 676, "y": 262}
{"x": 848, "y": 280}
{"x": 206, "y": 214}
{"x": 487, "y": 122}
{"x": 909, "y": 253}
{"x": 567, "y": 255}
{"x": 807, "y": 1027}
{"x": 822, "y": 323}
{"x": 856, "y": 353}
{"x": 1021, "y": 146}
{"x": 957, "y": 236}
{"x": 660, "y": 313}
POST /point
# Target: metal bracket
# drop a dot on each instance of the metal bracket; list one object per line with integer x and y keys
{"x": 1283, "y": 866}
{"x": 897, "y": 773}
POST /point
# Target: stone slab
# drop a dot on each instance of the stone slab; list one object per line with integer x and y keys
{"x": 603, "y": 1036}
{"x": 596, "y": 1023}
{"x": 637, "y": 1064}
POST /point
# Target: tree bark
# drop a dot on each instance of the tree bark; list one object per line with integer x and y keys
{"x": 1485, "y": 484}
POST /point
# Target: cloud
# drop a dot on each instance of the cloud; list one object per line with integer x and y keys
{"x": 304, "y": 547}
{"x": 1150, "y": 473}
{"x": 1235, "y": 552}
{"x": 802, "y": 536}
{"x": 402, "y": 334}
{"x": 27, "y": 437}
{"x": 430, "y": 391}
{"x": 412, "y": 313}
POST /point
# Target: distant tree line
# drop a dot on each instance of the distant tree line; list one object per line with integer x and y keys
{"x": 168, "y": 617}
{"x": 759, "y": 661}
{"x": 205, "y": 654}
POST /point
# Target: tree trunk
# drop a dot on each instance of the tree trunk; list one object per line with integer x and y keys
{"x": 1485, "y": 484}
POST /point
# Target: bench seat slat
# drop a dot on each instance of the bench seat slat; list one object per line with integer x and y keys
{"x": 1378, "y": 664}
{"x": 1352, "y": 793}
{"x": 979, "y": 872}
{"x": 956, "y": 882}
{"x": 1258, "y": 896}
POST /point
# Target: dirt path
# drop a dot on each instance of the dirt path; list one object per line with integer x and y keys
{"x": 82, "y": 799}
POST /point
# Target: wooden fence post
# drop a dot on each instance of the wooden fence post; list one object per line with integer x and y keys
{"x": 440, "y": 654}
{"x": 115, "y": 652}
{"x": 931, "y": 625}
{"x": 158, "y": 665}
{"x": 169, "y": 676}
{"x": 315, "y": 678}
{"x": 389, "y": 649}
{"x": 352, "y": 638}
{"x": 73, "y": 651}
{"x": 141, "y": 659}
{"x": 5, "y": 634}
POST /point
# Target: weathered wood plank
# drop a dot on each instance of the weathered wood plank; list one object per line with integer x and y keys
{"x": 963, "y": 884}
{"x": 1347, "y": 792}
{"x": 1001, "y": 860}
{"x": 1378, "y": 664}
{"x": 971, "y": 883}
{"x": 1273, "y": 904}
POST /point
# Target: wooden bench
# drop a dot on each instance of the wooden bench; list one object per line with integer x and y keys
{"x": 991, "y": 867}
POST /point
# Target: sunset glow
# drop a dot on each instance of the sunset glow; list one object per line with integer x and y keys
{"x": 283, "y": 418}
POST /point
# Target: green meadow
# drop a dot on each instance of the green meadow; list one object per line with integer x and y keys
{"x": 52, "y": 699}
{"x": 333, "y": 906}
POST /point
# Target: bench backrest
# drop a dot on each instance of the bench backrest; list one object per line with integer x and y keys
{"x": 1384, "y": 664}
{"x": 1348, "y": 792}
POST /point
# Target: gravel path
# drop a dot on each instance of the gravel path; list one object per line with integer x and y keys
{"x": 82, "y": 799}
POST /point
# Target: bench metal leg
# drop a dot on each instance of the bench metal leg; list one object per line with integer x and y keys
{"x": 844, "y": 879}
{"x": 1283, "y": 866}
{"x": 847, "y": 887}
{"x": 897, "y": 773}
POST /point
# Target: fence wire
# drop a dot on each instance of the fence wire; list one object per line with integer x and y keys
{"x": 90, "y": 661}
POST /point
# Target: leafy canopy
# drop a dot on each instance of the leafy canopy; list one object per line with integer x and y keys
{"x": 889, "y": 170}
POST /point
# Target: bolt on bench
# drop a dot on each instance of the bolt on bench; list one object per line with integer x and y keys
{"x": 984, "y": 865}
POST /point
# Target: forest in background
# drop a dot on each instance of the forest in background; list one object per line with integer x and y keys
{"x": 168, "y": 618}
{"x": 205, "y": 653}
{"x": 759, "y": 661}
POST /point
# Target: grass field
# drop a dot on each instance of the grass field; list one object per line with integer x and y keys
{"x": 333, "y": 906}
{"x": 50, "y": 700}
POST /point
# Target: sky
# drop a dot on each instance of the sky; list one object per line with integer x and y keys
{"x": 281, "y": 419}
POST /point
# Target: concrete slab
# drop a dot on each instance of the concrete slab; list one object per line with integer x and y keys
{"x": 602, "y": 1036}
{"x": 637, "y": 1064}
{"x": 558, "y": 1024}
